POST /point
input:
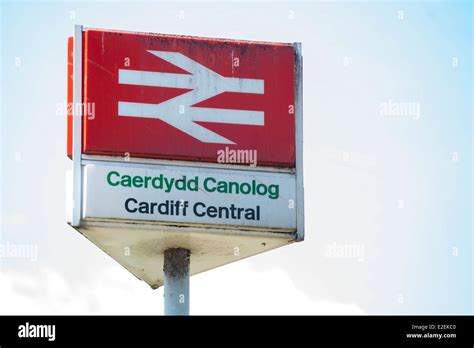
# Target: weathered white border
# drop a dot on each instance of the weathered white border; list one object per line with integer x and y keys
{"x": 77, "y": 129}
{"x": 299, "y": 141}
{"x": 138, "y": 160}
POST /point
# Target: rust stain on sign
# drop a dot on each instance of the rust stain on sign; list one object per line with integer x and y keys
{"x": 176, "y": 263}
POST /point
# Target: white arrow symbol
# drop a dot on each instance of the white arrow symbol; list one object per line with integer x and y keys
{"x": 179, "y": 111}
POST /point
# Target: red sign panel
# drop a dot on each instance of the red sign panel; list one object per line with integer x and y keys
{"x": 186, "y": 98}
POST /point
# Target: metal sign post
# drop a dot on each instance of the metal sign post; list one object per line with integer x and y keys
{"x": 176, "y": 270}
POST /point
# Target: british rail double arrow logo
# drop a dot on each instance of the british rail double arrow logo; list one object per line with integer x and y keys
{"x": 180, "y": 111}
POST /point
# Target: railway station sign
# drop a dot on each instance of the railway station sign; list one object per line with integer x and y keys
{"x": 181, "y": 141}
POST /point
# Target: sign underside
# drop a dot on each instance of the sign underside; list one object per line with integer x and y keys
{"x": 140, "y": 247}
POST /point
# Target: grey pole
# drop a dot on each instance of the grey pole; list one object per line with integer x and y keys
{"x": 176, "y": 269}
